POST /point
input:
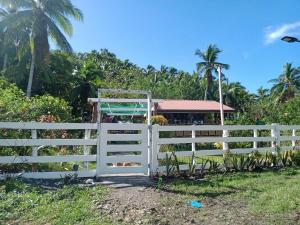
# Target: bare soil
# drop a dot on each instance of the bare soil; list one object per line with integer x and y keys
{"x": 147, "y": 205}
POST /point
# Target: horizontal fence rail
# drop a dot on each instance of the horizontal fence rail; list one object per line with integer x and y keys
{"x": 38, "y": 143}
{"x": 270, "y": 142}
{"x": 124, "y": 147}
{"x": 46, "y": 159}
{"x": 214, "y": 127}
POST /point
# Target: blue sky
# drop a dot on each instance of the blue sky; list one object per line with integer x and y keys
{"x": 167, "y": 32}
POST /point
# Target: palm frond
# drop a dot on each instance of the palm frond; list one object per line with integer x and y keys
{"x": 275, "y": 80}
{"x": 58, "y": 37}
{"x": 16, "y": 20}
{"x": 63, "y": 22}
{"x": 64, "y": 7}
{"x": 16, "y": 4}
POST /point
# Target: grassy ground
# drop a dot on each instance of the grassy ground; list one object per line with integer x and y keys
{"x": 23, "y": 203}
{"x": 271, "y": 197}
{"x": 274, "y": 196}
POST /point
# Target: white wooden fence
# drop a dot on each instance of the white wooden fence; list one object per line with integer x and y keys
{"x": 36, "y": 143}
{"x": 274, "y": 136}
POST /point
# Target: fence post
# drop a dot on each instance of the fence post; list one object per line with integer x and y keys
{"x": 149, "y": 123}
{"x": 255, "y": 134}
{"x": 86, "y": 149}
{"x": 155, "y": 150}
{"x": 99, "y": 139}
{"x": 34, "y": 148}
{"x": 275, "y": 132}
{"x": 294, "y": 135}
{"x": 194, "y": 144}
{"x": 34, "y": 152}
{"x": 225, "y": 144}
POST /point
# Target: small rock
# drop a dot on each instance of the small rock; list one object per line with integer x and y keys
{"x": 153, "y": 210}
{"x": 89, "y": 181}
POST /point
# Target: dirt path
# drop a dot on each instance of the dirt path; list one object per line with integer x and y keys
{"x": 139, "y": 204}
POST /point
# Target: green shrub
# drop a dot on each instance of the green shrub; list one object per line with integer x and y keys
{"x": 15, "y": 106}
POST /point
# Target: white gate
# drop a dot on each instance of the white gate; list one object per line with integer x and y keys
{"x": 123, "y": 149}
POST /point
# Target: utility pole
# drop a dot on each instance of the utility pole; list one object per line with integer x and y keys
{"x": 221, "y": 95}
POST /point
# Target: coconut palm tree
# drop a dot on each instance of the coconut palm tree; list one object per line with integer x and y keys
{"x": 287, "y": 83}
{"x": 10, "y": 37}
{"x": 262, "y": 93}
{"x": 209, "y": 66}
{"x": 44, "y": 18}
{"x": 231, "y": 93}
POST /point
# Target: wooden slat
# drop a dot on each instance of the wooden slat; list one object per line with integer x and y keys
{"x": 127, "y": 148}
{"x": 249, "y": 150}
{"x": 289, "y": 127}
{"x": 287, "y": 148}
{"x": 121, "y": 91}
{"x": 123, "y": 170}
{"x": 46, "y": 159}
{"x": 214, "y": 127}
{"x": 124, "y": 126}
{"x": 125, "y": 137}
{"x": 120, "y": 100}
{"x": 289, "y": 138}
{"x": 124, "y": 109}
{"x": 213, "y": 139}
{"x": 47, "y": 142}
{"x": 126, "y": 100}
{"x": 162, "y": 155}
{"x": 51, "y": 175}
{"x": 47, "y": 126}
{"x": 125, "y": 158}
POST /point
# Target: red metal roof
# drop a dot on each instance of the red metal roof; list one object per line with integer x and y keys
{"x": 190, "y": 105}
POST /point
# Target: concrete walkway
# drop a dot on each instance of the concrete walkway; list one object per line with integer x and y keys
{"x": 126, "y": 181}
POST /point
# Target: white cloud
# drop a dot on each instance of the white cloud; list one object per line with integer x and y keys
{"x": 273, "y": 33}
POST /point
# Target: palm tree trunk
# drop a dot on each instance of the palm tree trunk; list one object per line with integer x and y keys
{"x": 31, "y": 72}
{"x": 5, "y": 61}
{"x": 206, "y": 93}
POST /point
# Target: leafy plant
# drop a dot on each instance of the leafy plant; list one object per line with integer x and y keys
{"x": 192, "y": 164}
{"x": 295, "y": 157}
{"x": 239, "y": 163}
{"x": 169, "y": 165}
{"x": 205, "y": 165}
{"x": 213, "y": 166}
{"x": 176, "y": 163}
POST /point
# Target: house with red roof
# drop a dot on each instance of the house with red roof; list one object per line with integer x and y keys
{"x": 188, "y": 112}
{"x": 177, "y": 112}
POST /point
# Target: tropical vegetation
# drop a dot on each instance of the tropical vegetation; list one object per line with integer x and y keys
{"x": 27, "y": 62}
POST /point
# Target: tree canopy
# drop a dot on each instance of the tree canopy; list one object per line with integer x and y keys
{"x": 25, "y": 59}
